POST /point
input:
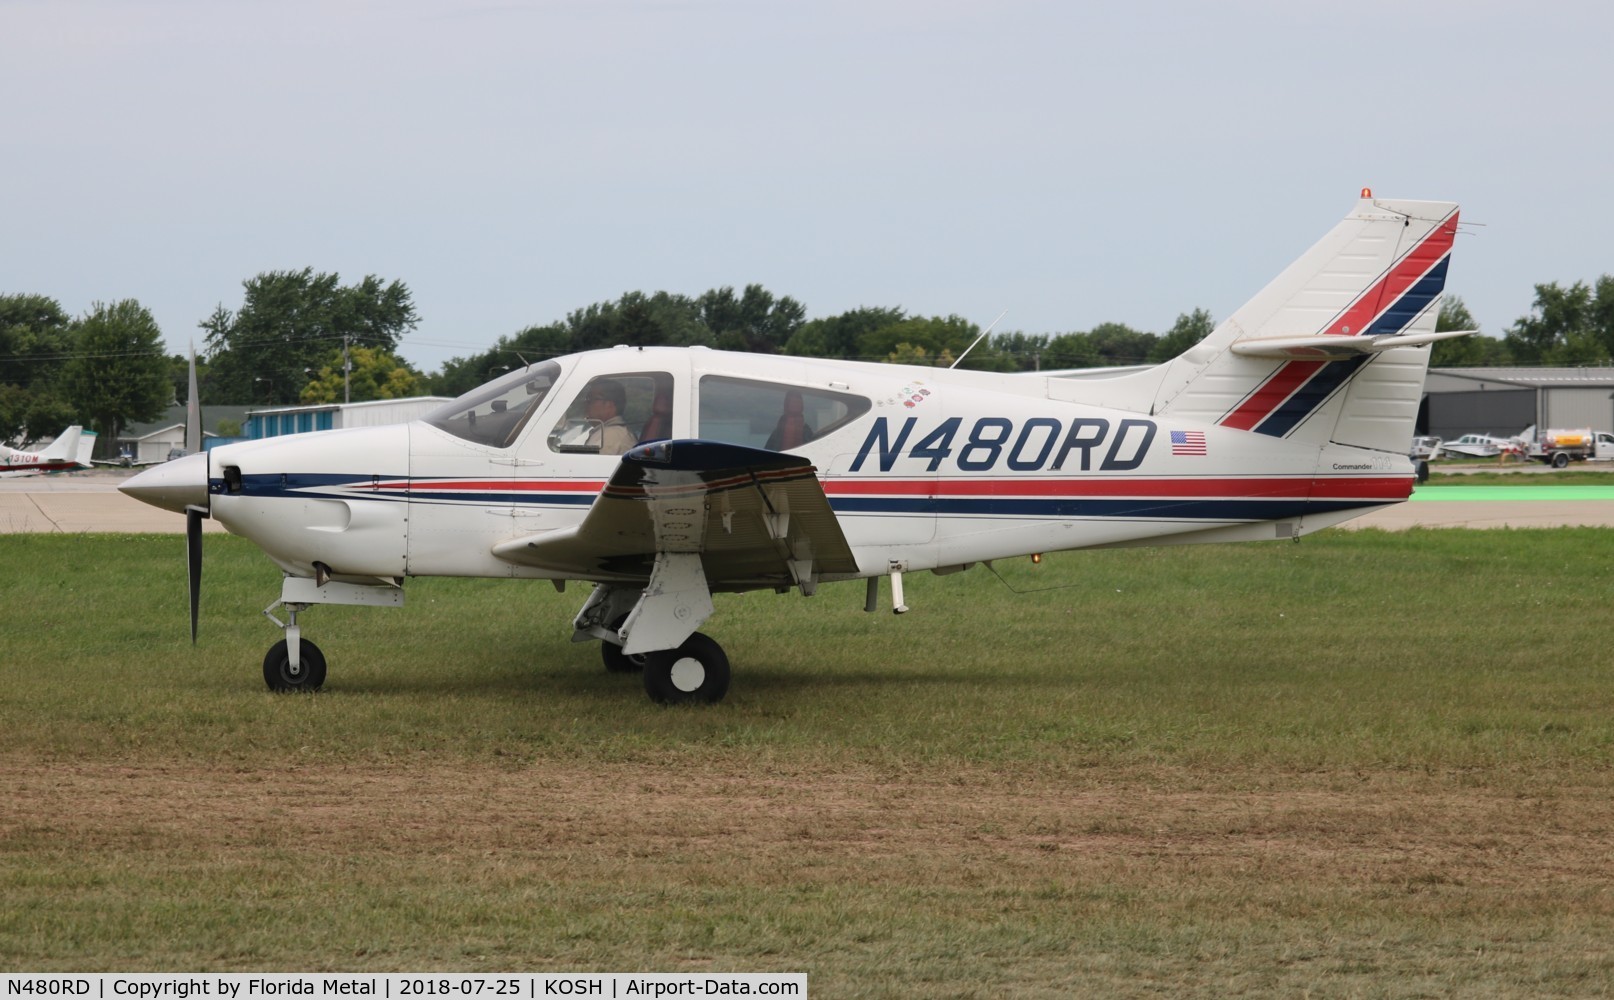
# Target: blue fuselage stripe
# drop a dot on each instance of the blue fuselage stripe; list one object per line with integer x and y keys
{"x": 1174, "y": 508}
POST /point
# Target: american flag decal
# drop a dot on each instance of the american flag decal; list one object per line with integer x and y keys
{"x": 1188, "y": 442}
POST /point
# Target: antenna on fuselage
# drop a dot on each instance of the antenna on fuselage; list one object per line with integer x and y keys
{"x": 977, "y": 340}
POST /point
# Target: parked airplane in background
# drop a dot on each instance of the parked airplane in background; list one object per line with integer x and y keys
{"x": 1474, "y": 446}
{"x": 71, "y": 450}
{"x": 746, "y": 472}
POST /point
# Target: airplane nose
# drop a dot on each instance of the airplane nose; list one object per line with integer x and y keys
{"x": 171, "y": 485}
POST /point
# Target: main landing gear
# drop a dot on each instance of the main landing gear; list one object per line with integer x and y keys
{"x": 652, "y": 630}
{"x": 697, "y": 671}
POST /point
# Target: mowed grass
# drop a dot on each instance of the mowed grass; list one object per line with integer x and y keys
{"x": 1482, "y": 474}
{"x": 1366, "y": 764}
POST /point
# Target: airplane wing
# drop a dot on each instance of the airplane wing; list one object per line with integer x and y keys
{"x": 754, "y": 516}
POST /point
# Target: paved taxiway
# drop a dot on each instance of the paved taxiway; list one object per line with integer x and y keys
{"x": 76, "y": 502}
{"x": 90, "y": 501}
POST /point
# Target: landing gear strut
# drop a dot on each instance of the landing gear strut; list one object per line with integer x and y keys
{"x": 294, "y": 663}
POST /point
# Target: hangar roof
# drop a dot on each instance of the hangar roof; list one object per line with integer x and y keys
{"x": 1460, "y": 379}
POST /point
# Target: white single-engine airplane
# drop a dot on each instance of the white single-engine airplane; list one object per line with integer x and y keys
{"x": 71, "y": 450}
{"x": 746, "y": 472}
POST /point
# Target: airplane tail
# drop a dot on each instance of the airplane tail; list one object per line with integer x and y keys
{"x": 1336, "y": 347}
{"x": 86, "y": 449}
{"x": 65, "y": 447}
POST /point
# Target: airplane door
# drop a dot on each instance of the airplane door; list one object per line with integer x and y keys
{"x": 574, "y": 446}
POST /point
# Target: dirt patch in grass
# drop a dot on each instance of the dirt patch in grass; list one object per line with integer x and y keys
{"x": 1387, "y": 830}
{"x": 1108, "y": 881}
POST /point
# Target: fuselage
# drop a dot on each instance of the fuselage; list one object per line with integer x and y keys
{"x": 15, "y": 463}
{"x": 924, "y": 468}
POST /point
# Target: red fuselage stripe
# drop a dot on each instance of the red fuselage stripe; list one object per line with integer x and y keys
{"x": 1341, "y": 487}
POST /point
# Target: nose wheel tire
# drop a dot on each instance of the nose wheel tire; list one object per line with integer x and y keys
{"x": 697, "y": 671}
{"x": 277, "y": 672}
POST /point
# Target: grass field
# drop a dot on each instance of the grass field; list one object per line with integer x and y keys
{"x": 1480, "y": 473}
{"x": 1485, "y": 471}
{"x": 1369, "y": 764}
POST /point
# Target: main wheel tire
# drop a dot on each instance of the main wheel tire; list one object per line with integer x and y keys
{"x": 310, "y": 675}
{"x": 697, "y": 671}
{"x": 1560, "y": 461}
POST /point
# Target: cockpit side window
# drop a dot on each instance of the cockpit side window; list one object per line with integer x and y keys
{"x": 494, "y": 414}
{"x": 772, "y": 416}
{"x": 615, "y": 412}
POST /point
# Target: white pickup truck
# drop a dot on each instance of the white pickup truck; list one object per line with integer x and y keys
{"x": 1559, "y": 447}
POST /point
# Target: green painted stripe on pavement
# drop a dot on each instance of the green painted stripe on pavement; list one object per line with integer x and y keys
{"x": 1513, "y": 493}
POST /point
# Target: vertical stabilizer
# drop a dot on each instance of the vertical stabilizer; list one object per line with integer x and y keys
{"x": 1316, "y": 356}
{"x": 65, "y": 447}
{"x": 86, "y": 449}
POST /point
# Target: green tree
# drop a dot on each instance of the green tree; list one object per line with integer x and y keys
{"x": 1020, "y": 351}
{"x": 1189, "y": 330}
{"x": 916, "y": 354}
{"x": 1476, "y": 350}
{"x": 840, "y": 336}
{"x": 179, "y": 373}
{"x": 920, "y": 336}
{"x": 1602, "y": 312}
{"x": 288, "y": 324}
{"x": 638, "y": 320}
{"x": 27, "y": 415}
{"x": 35, "y": 343}
{"x": 535, "y": 343}
{"x": 1119, "y": 344}
{"x": 118, "y": 374}
{"x": 376, "y": 374}
{"x": 1561, "y": 328}
{"x": 1070, "y": 350}
{"x": 755, "y": 321}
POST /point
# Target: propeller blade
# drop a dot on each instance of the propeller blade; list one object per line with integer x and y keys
{"x": 193, "y": 556}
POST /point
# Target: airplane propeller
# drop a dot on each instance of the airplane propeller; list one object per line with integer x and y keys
{"x": 193, "y": 557}
{"x": 179, "y": 486}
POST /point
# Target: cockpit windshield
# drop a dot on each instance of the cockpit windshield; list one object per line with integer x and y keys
{"x": 494, "y": 414}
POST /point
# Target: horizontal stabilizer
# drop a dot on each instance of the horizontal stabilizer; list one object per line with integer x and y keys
{"x": 1336, "y": 348}
{"x": 754, "y": 516}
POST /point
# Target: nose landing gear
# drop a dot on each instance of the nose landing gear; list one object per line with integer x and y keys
{"x": 294, "y": 663}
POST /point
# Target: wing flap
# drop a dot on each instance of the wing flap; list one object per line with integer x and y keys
{"x": 756, "y": 518}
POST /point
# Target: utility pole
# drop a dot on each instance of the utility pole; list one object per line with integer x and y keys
{"x": 347, "y": 372}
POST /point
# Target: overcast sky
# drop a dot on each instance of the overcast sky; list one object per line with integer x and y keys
{"x": 1072, "y": 163}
